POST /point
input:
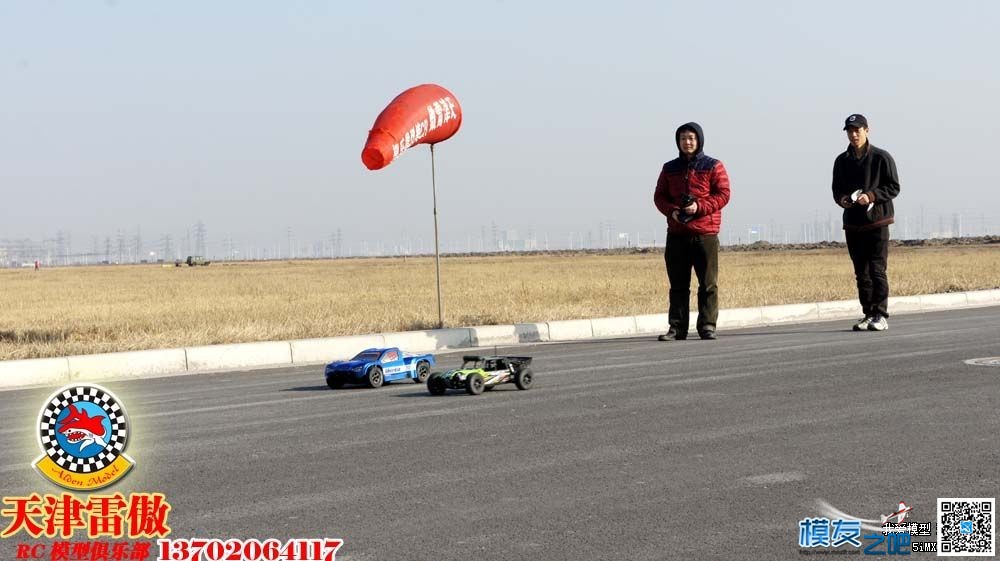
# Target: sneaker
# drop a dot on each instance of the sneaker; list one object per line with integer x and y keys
{"x": 708, "y": 334}
{"x": 863, "y": 324}
{"x": 672, "y": 335}
{"x": 878, "y": 323}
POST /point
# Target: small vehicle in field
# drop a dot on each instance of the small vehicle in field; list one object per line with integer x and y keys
{"x": 376, "y": 366}
{"x": 480, "y": 373}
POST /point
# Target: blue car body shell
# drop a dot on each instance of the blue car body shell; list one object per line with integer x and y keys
{"x": 395, "y": 364}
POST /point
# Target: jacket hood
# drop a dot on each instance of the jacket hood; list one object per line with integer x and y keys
{"x": 696, "y": 129}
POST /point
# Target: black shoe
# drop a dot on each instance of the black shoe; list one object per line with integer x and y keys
{"x": 708, "y": 334}
{"x": 672, "y": 335}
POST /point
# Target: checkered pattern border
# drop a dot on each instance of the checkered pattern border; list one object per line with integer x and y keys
{"x": 116, "y": 438}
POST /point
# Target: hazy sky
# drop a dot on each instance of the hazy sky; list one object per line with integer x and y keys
{"x": 251, "y": 115}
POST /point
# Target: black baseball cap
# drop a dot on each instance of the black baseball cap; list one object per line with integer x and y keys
{"x": 855, "y": 121}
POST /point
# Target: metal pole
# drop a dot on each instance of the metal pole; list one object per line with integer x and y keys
{"x": 437, "y": 251}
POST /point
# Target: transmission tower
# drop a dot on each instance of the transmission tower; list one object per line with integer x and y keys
{"x": 166, "y": 247}
{"x": 60, "y": 248}
{"x": 121, "y": 246}
{"x": 200, "y": 234}
{"x": 137, "y": 240}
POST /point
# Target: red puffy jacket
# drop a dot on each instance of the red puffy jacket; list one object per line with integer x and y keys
{"x": 702, "y": 177}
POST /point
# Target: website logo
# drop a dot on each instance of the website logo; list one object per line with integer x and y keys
{"x": 83, "y": 431}
{"x": 889, "y": 534}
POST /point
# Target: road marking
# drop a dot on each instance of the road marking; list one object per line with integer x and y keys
{"x": 988, "y": 361}
{"x": 775, "y": 478}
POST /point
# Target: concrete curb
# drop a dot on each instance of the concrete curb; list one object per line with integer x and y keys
{"x": 241, "y": 355}
{"x": 35, "y": 371}
{"x": 305, "y": 351}
{"x": 571, "y": 330}
{"x": 143, "y": 364}
{"x": 424, "y": 341}
{"x": 614, "y": 327}
{"x": 495, "y": 335}
{"x": 94, "y": 368}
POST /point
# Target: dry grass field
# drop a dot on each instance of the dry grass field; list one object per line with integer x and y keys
{"x": 84, "y": 310}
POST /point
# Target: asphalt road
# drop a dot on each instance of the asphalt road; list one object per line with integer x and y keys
{"x": 624, "y": 449}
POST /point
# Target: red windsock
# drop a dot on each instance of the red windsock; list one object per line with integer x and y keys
{"x": 425, "y": 114}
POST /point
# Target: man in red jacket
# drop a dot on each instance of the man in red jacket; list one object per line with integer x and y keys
{"x": 691, "y": 191}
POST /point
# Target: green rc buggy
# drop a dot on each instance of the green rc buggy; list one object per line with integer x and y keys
{"x": 480, "y": 373}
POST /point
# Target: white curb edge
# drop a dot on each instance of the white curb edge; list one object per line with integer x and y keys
{"x": 156, "y": 363}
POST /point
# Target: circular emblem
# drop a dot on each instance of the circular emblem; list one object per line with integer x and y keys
{"x": 83, "y": 431}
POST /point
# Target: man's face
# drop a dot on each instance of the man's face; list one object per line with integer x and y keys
{"x": 688, "y": 143}
{"x": 857, "y": 136}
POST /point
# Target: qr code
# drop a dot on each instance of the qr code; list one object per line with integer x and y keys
{"x": 967, "y": 527}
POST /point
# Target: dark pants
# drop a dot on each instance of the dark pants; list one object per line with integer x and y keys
{"x": 870, "y": 254}
{"x": 701, "y": 253}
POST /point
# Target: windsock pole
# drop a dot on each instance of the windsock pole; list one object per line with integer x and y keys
{"x": 437, "y": 251}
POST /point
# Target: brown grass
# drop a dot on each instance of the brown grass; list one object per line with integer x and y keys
{"x": 83, "y": 310}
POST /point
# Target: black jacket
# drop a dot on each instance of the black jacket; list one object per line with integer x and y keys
{"x": 873, "y": 173}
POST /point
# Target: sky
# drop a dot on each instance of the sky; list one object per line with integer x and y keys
{"x": 250, "y": 116}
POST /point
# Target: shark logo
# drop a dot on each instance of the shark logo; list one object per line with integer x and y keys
{"x": 83, "y": 431}
{"x": 78, "y": 427}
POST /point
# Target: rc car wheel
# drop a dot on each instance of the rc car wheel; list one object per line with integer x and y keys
{"x": 474, "y": 383}
{"x": 524, "y": 378}
{"x": 335, "y": 383}
{"x": 375, "y": 378}
{"x": 423, "y": 371}
{"x": 436, "y": 385}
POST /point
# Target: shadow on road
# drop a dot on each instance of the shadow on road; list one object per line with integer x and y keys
{"x": 726, "y": 334}
{"x": 458, "y": 393}
{"x": 308, "y": 389}
{"x": 346, "y": 388}
{"x": 427, "y": 395}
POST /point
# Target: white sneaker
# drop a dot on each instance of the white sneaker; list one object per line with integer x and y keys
{"x": 863, "y": 324}
{"x": 878, "y": 323}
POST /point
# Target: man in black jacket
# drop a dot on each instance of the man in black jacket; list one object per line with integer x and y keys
{"x": 864, "y": 183}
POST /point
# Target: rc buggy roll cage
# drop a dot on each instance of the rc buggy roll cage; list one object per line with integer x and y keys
{"x": 480, "y": 373}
